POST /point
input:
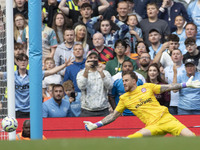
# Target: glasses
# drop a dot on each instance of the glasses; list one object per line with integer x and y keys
{"x": 118, "y": 47}
{"x": 144, "y": 57}
{"x": 191, "y": 44}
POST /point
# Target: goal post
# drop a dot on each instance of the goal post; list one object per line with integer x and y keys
{"x": 35, "y": 71}
{"x": 10, "y": 63}
{"x": 3, "y": 65}
{"x": 7, "y": 103}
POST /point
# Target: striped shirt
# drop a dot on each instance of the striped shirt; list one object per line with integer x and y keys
{"x": 105, "y": 55}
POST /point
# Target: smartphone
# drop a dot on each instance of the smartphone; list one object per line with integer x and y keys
{"x": 95, "y": 63}
{"x": 73, "y": 95}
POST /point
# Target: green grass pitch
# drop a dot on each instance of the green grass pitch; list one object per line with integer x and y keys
{"x": 148, "y": 143}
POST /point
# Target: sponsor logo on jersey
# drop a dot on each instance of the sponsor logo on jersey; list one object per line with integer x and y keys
{"x": 143, "y": 90}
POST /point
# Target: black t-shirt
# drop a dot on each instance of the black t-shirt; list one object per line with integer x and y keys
{"x": 196, "y": 58}
{"x": 23, "y": 12}
{"x": 50, "y": 11}
{"x": 74, "y": 14}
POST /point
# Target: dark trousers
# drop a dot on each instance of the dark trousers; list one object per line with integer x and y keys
{"x": 20, "y": 114}
{"x": 87, "y": 113}
{"x": 173, "y": 110}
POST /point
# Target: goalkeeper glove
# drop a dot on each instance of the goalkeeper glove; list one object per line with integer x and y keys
{"x": 191, "y": 84}
{"x": 91, "y": 126}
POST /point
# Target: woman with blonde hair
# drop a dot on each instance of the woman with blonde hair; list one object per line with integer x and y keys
{"x": 81, "y": 36}
{"x": 19, "y": 26}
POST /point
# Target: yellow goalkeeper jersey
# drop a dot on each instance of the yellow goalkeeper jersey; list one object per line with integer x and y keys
{"x": 143, "y": 103}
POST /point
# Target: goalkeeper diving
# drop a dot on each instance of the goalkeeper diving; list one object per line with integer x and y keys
{"x": 141, "y": 101}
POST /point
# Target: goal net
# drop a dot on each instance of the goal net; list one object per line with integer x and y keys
{"x": 3, "y": 82}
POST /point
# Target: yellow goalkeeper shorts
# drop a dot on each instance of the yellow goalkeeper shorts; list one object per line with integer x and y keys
{"x": 167, "y": 124}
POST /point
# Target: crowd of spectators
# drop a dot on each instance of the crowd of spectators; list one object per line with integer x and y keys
{"x": 87, "y": 44}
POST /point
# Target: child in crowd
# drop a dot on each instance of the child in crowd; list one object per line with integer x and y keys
{"x": 49, "y": 64}
{"x": 48, "y": 92}
{"x": 180, "y": 32}
{"x": 131, "y": 9}
{"x": 135, "y": 34}
{"x": 72, "y": 97}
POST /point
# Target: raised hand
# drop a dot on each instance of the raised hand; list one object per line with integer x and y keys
{"x": 113, "y": 18}
{"x": 100, "y": 67}
{"x": 100, "y": 17}
{"x": 193, "y": 84}
{"x": 69, "y": 61}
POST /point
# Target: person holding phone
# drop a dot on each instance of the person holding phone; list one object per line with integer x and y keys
{"x": 94, "y": 83}
{"x": 73, "y": 97}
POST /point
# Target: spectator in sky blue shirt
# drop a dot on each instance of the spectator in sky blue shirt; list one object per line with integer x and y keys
{"x": 73, "y": 97}
{"x": 189, "y": 100}
{"x": 57, "y": 106}
{"x": 193, "y": 12}
{"x": 22, "y": 98}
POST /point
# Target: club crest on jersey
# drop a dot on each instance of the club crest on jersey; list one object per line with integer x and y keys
{"x": 143, "y": 90}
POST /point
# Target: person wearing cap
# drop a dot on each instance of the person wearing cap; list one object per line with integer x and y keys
{"x": 94, "y": 83}
{"x": 153, "y": 22}
{"x": 192, "y": 52}
{"x": 189, "y": 99}
{"x": 154, "y": 39}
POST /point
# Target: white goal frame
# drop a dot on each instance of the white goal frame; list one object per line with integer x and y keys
{"x": 10, "y": 63}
